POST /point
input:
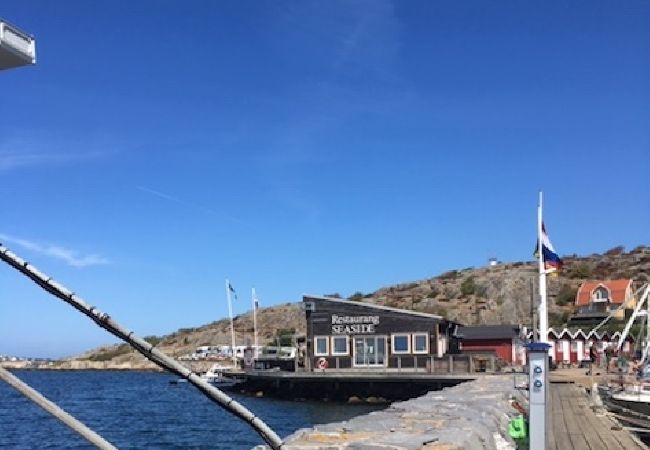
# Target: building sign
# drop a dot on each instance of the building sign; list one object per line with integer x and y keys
{"x": 354, "y": 324}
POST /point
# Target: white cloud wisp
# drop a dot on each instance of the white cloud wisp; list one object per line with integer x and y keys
{"x": 68, "y": 256}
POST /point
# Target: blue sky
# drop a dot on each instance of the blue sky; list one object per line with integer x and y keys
{"x": 158, "y": 147}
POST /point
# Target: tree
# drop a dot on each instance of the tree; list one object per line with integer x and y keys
{"x": 357, "y": 296}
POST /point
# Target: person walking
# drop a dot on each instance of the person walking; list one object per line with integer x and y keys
{"x": 592, "y": 358}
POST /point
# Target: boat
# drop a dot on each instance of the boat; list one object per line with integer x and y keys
{"x": 634, "y": 398}
{"x": 630, "y": 401}
{"x": 217, "y": 375}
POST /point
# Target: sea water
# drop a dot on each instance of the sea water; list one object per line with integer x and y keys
{"x": 143, "y": 410}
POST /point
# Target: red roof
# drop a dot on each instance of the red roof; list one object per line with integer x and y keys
{"x": 616, "y": 288}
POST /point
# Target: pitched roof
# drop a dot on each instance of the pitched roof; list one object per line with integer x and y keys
{"x": 616, "y": 288}
{"x": 306, "y": 297}
{"x": 489, "y": 332}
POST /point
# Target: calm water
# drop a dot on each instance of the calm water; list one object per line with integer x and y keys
{"x": 137, "y": 410}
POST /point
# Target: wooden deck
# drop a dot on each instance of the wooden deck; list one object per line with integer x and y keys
{"x": 576, "y": 426}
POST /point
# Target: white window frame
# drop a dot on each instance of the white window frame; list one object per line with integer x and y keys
{"x": 327, "y": 346}
{"x": 347, "y": 346}
{"x": 426, "y": 344}
{"x": 408, "y": 343}
{"x": 377, "y": 338}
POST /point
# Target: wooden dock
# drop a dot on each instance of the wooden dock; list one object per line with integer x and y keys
{"x": 576, "y": 426}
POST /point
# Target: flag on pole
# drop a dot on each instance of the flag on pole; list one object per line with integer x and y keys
{"x": 552, "y": 262}
{"x": 256, "y": 302}
{"x": 232, "y": 289}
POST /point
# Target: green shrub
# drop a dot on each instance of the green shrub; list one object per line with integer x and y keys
{"x": 283, "y": 337}
{"x": 153, "y": 340}
{"x": 121, "y": 349}
{"x": 582, "y": 271}
{"x": 357, "y": 296}
{"x": 468, "y": 287}
{"x": 566, "y": 295}
{"x": 481, "y": 291}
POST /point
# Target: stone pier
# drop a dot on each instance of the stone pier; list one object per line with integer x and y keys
{"x": 473, "y": 415}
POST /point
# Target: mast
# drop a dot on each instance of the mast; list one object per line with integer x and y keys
{"x": 254, "y": 298}
{"x": 232, "y": 324}
{"x": 543, "y": 315}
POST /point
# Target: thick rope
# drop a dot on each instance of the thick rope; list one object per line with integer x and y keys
{"x": 145, "y": 348}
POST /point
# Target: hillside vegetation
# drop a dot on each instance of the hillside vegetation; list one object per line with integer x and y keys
{"x": 487, "y": 295}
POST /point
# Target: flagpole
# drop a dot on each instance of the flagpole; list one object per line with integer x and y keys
{"x": 543, "y": 315}
{"x": 232, "y": 324}
{"x": 254, "y": 321}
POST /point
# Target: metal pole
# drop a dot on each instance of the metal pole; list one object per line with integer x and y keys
{"x": 255, "y": 321}
{"x": 232, "y": 323}
{"x": 57, "y": 412}
{"x": 543, "y": 314}
{"x": 145, "y": 348}
{"x": 533, "y": 324}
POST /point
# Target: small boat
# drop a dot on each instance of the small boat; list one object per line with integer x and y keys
{"x": 218, "y": 375}
{"x": 633, "y": 399}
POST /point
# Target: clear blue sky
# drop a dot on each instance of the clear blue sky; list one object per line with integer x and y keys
{"x": 158, "y": 147}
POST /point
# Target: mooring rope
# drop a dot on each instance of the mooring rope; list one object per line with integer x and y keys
{"x": 145, "y": 348}
{"x": 53, "y": 409}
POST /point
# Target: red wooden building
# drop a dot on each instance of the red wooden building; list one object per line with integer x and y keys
{"x": 503, "y": 340}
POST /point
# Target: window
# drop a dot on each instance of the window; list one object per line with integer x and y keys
{"x": 401, "y": 343}
{"x": 321, "y": 346}
{"x": 601, "y": 295}
{"x": 420, "y": 343}
{"x": 340, "y": 345}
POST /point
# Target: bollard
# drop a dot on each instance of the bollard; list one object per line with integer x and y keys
{"x": 538, "y": 395}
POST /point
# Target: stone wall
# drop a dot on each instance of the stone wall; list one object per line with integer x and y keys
{"x": 470, "y": 416}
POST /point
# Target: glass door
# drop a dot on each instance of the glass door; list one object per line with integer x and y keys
{"x": 369, "y": 351}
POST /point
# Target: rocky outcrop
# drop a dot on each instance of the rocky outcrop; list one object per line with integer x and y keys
{"x": 488, "y": 295}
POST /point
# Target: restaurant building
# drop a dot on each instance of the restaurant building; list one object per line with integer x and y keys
{"x": 345, "y": 334}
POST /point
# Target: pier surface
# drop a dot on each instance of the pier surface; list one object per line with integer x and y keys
{"x": 575, "y": 425}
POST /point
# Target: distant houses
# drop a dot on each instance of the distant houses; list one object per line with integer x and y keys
{"x": 595, "y": 300}
{"x": 571, "y": 347}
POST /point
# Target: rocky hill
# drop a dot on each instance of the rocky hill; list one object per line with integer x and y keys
{"x": 487, "y": 295}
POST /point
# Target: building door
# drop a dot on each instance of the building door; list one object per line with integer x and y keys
{"x": 370, "y": 351}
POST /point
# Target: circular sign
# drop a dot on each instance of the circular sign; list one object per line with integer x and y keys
{"x": 321, "y": 363}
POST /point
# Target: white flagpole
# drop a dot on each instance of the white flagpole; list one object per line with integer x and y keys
{"x": 232, "y": 324}
{"x": 543, "y": 314}
{"x": 255, "y": 321}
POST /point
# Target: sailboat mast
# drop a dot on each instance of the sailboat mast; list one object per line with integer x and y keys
{"x": 232, "y": 324}
{"x": 254, "y": 298}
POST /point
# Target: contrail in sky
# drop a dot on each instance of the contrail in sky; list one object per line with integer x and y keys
{"x": 196, "y": 206}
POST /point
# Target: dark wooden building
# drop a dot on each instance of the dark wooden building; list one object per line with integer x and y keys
{"x": 345, "y": 334}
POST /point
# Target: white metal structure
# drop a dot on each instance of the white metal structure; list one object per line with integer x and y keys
{"x": 17, "y": 48}
{"x": 638, "y": 313}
